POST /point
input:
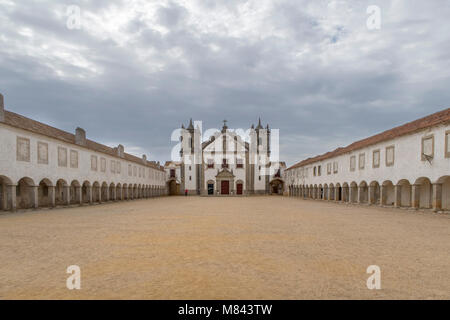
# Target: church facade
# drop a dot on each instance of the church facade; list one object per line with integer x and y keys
{"x": 229, "y": 163}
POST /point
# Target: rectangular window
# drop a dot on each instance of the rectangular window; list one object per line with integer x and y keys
{"x": 376, "y": 159}
{"x": 319, "y": 170}
{"x": 23, "y": 149}
{"x": 362, "y": 161}
{"x": 447, "y": 144}
{"x": 239, "y": 163}
{"x": 103, "y": 164}
{"x": 335, "y": 167}
{"x": 73, "y": 159}
{"x": 118, "y": 167}
{"x": 210, "y": 163}
{"x": 62, "y": 157}
{"x": 113, "y": 166}
{"x": 130, "y": 170}
{"x": 390, "y": 156}
{"x": 135, "y": 171}
{"x": 42, "y": 153}
{"x": 94, "y": 163}
{"x": 315, "y": 171}
{"x": 427, "y": 148}
{"x": 328, "y": 168}
{"x": 352, "y": 163}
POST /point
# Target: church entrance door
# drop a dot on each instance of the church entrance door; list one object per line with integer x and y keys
{"x": 239, "y": 188}
{"x": 225, "y": 187}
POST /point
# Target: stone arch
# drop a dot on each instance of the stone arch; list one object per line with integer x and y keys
{"x": 130, "y": 192}
{"x": 125, "y": 191}
{"x": 96, "y": 192}
{"x": 119, "y": 193}
{"x": 387, "y": 193}
{"x": 86, "y": 192}
{"x": 338, "y": 192}
{"x": 345, "y": 192}
{"x": 444, "y": 195}
{"x": 46, "y": 196}
{"x": 404, "y": 193}
{"x": 104, "y": 192}
{"x": 374, "y": 192}
{"x": 363, "y": 192}
{"x": 7, "y": 194}
{"x": 324, "y": 193}
{"x": 135, "y": 191}
{"x": 423, "y": 193}
{"x": 75, "y": 192}
{"x": 26, "y": 193}
{"x": 62, "y": 196}
{"x": 320, "y": 192}
{"x": 112, "y": 192}
{"x": 331, "y": 192}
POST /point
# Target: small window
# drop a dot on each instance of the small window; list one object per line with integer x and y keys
{"x": 103, "y": 164}
{"x": 94, "y": 163}
{"x": 427, "y": 148}
{"x": 315, "y": 171}
{"x": 335, "y": 167}
{"x": 190, "y": 178}
{"x": 352, "y": 163}
{"x": 319, "y": 170}
{"x": 113, "y": 166}
{"x": 328, "y": 168}
{"x": 390, "y": 156}
{"x": 362, "y": 161}
{"x": 118, "y": 167}
{"x": 239, "y": 163}
{"x": 447, "y": 144}
{"x": 210, "y": 163}
{"x": 376, "y": 159}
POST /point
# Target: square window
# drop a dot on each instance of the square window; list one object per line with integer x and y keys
{"x": 23, "y": 149}
{"x": 427, "y": 148}
{"x": 390, "y": 156}
{"x": 352, "y": 163}
{"x": 376, "y": 159}
{"x": 362, "y": 161}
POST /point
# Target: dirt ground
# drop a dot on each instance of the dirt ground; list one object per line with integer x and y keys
{"x": 224, "y": 248}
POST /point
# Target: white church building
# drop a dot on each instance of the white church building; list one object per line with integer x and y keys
{"x": 407, "y": 166}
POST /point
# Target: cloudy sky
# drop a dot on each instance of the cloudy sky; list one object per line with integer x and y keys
{"x": 136, "y": 70}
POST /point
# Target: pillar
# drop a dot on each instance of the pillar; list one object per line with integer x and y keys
{"x": 398, "y": 196}
{"x": 113, "y": 195}
{"x": 66, "y": 195}
{"x": 437, "y": 196}
{"x": 51, "y": 196}
{"x": 78, "y": 195}
{"x": 329, "y": 193}
{"x": 89, "y": 194}
{"x": 415, "y": 196}
{"x": 360, "y": 194}
{"x": 34, "y": 196}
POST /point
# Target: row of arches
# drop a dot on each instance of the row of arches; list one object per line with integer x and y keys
{"x": 421, "y": 194}
{"x": 26, "y": 194}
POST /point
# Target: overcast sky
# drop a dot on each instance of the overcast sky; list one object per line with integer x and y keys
{"x": 137, "y": 70}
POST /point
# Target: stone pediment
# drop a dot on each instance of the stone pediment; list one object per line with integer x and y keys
{"x": 225, "y": 173}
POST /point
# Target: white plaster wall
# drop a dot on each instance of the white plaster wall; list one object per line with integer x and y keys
{"x": 15, "y": 170}
{"x": 408, "y": 164}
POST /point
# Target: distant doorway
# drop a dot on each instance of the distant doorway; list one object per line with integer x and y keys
{"x": 239, "y": 188}
{"x": 225, "y": 187}
{"x": 210, "y": 189}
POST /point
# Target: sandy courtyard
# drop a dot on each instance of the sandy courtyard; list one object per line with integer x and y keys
{"x": 224, "y": 248}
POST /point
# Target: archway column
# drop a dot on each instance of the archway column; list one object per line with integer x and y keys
{"x": 329, "y": 193}
{"x": 398, "y": 196}
{"x": 437, "y": 196}
{"x": 114, "y": 195}
{"x": 415, "y": 196}
{"x": 66, "y": 195}
{"x": 78, "y": 195}
{"x": 34, "y": 196}
{"x": 351, "y": 191}
{"x": 52, "y": 196}
{"x": 383, "y": 195}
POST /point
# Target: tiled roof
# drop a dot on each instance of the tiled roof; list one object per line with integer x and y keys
{"x": 18, "y": 121}
{"x": 438, "y": 118}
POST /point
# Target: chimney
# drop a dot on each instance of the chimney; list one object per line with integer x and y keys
{"x": 80, "y": 137}
{"x": 120, "y": 151}
{"x": 2, "y": 109}
{"x": 144, "y": 159}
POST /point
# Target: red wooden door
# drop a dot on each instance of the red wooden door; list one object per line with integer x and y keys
{"x": 225, "y": 187}
{"x": 239, "y": 188}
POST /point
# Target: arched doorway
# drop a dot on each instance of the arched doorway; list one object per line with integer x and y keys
{"x": 174, "y": 187}
{"x": 277, "y": 186}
